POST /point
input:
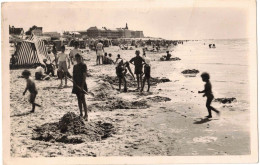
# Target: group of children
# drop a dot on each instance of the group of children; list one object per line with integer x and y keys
{"x": 79, "y": 80}
{"x": 142, "y": 72}
{"x": 139, "y": 63}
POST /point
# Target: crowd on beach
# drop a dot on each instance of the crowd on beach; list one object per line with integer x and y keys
{"x": 63, "y": 61}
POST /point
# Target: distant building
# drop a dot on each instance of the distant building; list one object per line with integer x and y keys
{"x": 52, "y": 34}
{"x": 94, "y": 32}
{"x": 34, "y": 30}
{"x": 15, "y": 31}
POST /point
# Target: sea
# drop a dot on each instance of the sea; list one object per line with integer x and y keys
{"x": 228, "y": 65}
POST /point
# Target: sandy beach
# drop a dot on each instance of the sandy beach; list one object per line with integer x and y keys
{"x": 167, "y": 121}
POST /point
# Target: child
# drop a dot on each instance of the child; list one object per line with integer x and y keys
{"x": 49, "y": 68}
{"x": 105, "y": 60}
{"x": 118, "y": 57}
{"x": 138, "y": 62}
{"x": 208, "y": 93}
{"x": 30, "y": 85}
{"x": 109, "y": 59}
{"x": 79, "y": 84}
{"x": 120, "y": 72}
{"x": 147, "y": 74}
{"x": 39, "y": 72}
{"x": 62, "y": 57}
{"x": 168, "y": 56}
{"x": 74, "y": 52}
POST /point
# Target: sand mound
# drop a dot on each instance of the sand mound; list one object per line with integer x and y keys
{"x": 159, "y": 99}
{"x": 190, "y": 71}
{"x": 225, "y": 100}
{"x": 72, "y": 129}
{"x": 119, "y": 104}
{"x": 113, "y": 80}
{"x": 101, "y": 91}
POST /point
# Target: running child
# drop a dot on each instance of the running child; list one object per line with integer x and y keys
{"x": 79, "y": 84}
{"x": 138, "y": 63}
{"x": 30, "y": 85}
{"x": 208, "y": 93}
{"x": 147, "y": 74}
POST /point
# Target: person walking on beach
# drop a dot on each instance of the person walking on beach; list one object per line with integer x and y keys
{"x": 79, "y": 84}
{"x": 30, "y": 85}
{"x": 138, "y": 63}
{"x": 74, "y": 52}
{"x": 100, "y": 52}
{"x": 62, "y": 57}
{"x": 208, "y": 93}
{"x": 147, "y": 74}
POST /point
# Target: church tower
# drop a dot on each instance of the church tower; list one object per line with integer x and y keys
{"x": 126, "y": 27}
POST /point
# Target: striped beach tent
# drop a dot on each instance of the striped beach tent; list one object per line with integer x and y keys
{"x": 31, "y": 51}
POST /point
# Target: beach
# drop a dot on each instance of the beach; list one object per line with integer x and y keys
{"x": 167, "y": 121}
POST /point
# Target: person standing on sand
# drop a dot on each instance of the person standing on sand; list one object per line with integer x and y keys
{"x": 208, "y": 93}
{"x": 74, "y": 52}
{"x": 54, "y": 51}
{"x": 62, "y": 57}
{"x": 30, "y": 85}
{"x": 147, "y": 74}
{"x": 100, "y": 52}
{"x": 121, "y": 72}
{"x": 138, "y": 63}
{"x": 79, "y": 84}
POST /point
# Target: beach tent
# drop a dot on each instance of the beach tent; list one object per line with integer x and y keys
{"x": 31, "y": 51}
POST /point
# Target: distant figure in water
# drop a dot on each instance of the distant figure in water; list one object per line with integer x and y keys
{"x": 213, "y": 46}
{"x": 30, "y": 85}
{"x": 208, "y": 93}
{"x": 210, "y": 45}
{"x": 147, "y": 74}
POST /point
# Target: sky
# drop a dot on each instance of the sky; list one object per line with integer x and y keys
{"x": 194, "y": 19}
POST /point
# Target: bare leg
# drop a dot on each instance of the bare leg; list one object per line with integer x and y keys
{"x": 125, "y": 85}
{"x": 148, "y": 82}
{"x": 143, "y": 84}
{"x": 137, "y": 76}
{"x": 85, "y": 107}
{"x": 79, "y": 104}
{"x": 120, "y": 81}
{"x": 65, "y": 74}
{"x": 102, "y": 60}
{"x": 140, "y": 78}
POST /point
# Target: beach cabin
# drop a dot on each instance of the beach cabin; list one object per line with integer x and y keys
{"x": 30, "y": 52}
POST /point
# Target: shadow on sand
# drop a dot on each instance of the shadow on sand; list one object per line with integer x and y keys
{"x": 203, "y": 120}
{"x": 21, "y": 114}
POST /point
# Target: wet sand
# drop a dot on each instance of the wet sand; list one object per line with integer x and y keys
{"x": 170, "y": 121}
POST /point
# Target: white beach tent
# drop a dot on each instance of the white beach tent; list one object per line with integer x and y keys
{"x": 31, "y": 51}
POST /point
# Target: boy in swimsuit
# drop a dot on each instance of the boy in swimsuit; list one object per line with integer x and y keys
{"x": 147, "y": 74}
{"x": 79, "y": 84}
{"x": 208, "y": 93}
{"x": 121, "y": 72}
{"x": 138, "y": 63}
{"x": 30, "y": 85}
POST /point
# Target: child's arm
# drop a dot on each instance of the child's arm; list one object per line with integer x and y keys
{"x": 26, "y": 88}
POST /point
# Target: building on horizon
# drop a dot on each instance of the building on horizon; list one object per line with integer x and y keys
{"x": 95, "y": 32}
{"x": 15, "y": 31}
{"x": 35, "y": 31}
